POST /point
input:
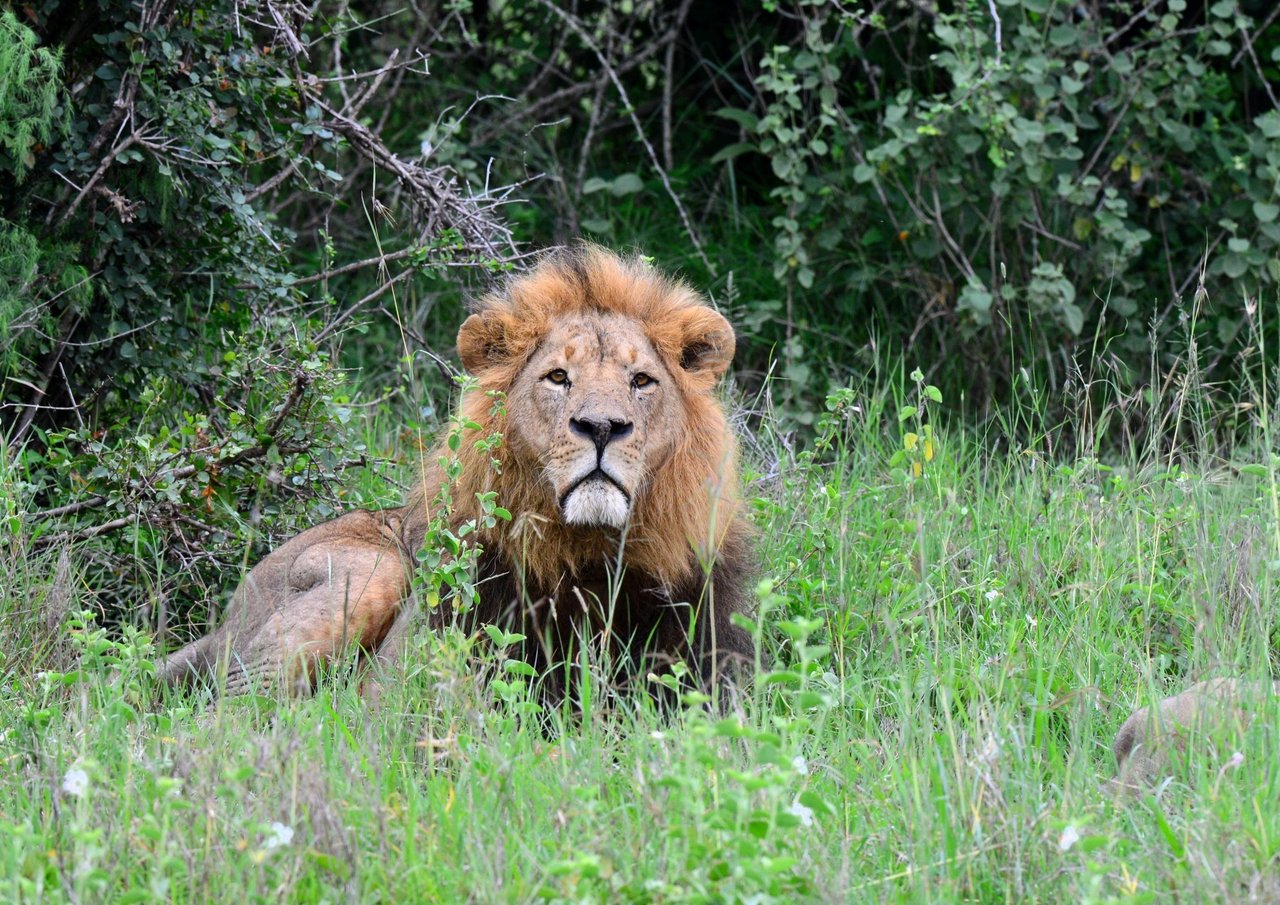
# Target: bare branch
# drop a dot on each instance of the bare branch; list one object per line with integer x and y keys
{"x": 98, "y": 174}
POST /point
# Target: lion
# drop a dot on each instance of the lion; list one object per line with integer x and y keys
{"x": 1152, "y": 735}
{"x": 616, "y": 461}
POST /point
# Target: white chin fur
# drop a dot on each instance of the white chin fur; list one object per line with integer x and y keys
{"x": 596, "y": 502}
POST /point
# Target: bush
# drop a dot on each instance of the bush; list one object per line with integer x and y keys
{"x": 188, "y": 194}
{"x": 983, "y": 189}
{"x": 1033, "y": 179}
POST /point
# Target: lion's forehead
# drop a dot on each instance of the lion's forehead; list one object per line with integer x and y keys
{"x": 599, "y": 339}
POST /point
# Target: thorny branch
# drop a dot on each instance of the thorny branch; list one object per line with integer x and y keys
{"x": 440, "y": 204}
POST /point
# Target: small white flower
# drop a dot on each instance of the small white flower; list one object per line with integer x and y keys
{"x": 1236, "y": 760}
{"x": 1070, "y": 836}
{"x": 1032, "y": 621}
{"x": 280, "y": 835}
{"x": 800, "y": 765}
{"x": 804, "y": 813}
{"x": 75, "y": 781}
{"x": 993, "y": 594}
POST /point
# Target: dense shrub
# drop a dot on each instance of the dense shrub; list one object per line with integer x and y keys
{"x": 187, "y": 190}
{"x": 1037, "y": 176}
{"x": 200, "y": 201}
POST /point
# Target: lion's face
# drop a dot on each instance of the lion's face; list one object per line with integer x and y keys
{"x": 599, "y": 411}
{"x": 609, "y": 371}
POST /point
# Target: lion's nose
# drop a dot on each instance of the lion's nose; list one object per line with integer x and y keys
{"x": 600, "y": 431}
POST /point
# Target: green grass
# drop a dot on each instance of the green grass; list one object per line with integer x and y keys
{"x": 951, "y": 658}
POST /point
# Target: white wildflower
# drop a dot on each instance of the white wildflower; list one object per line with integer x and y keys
{"x": 804, "y": 813}
{"x": 992, "y": 595}
{"x": 280, "y": 835}
{"x": 800, "y": 765}
{"x": 1070, "y": 836}
{"x": 75, "y": 781}
{"x": 1236, "y": 760}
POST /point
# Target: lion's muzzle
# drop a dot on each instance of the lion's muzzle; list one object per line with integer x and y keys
{"x": 597, "y": 498}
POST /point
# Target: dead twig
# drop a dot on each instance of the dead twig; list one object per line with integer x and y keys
{"x": 105, "y": 165}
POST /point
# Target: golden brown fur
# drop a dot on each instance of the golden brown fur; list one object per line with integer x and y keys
{"x": 1151, "y": 736}
{"x": 337, "y": 583}
{"x": 616, "y": 461}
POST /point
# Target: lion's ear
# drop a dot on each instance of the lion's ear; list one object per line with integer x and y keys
{"x": 482, "y": 342}
{"x": 706, "y": 343}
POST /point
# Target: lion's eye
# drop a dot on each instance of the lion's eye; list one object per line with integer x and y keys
{"x": 642, "y": 380}
{"x": 558, "y": 376}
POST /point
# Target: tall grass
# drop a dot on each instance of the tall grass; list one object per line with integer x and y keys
{"x": 952, "y": 655}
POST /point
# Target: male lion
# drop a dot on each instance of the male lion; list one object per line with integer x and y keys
{"x": 616, "y": 462}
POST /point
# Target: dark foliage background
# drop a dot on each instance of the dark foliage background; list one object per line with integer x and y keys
{"x": 223, "y": 225}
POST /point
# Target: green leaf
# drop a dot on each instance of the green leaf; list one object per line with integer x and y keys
{"x": 1175, "y": 844}
{"x": 627, "y": 184}
{"x": 1269, "y": 124}
{"x": 1063, "y": 35}
{"x": 1072, "y": 318}
{"x": 1265, "y": 211}
{"x": 907, "y": 411}
{"x": 975, "y": 297}
{"x": 1234, "y": 266}
{"x": 1253, "y": 468}
{"x": 933, "y": 393}
{"x": 732, "y": 151}
{"x": 501, "y": 638}
{"x": 744, "y": 118}
{"x": 333, "y": 865}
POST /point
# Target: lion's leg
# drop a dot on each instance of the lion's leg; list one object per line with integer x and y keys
{"x": 337, "y": 584}
{"x": 353, "y": 603}
{"x": 389, "y": 653}
{"x": 355, "y": 609}
{"x": 193, "y": 661}
{"x": 391, "y": 650}
{"x": 250, "y": 605}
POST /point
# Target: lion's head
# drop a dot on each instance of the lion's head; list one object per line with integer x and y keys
{"x": 612, "y": 429}
{"x": 598, "y": 408}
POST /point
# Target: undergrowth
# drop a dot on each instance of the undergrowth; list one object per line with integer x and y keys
{"x": 958, "y": 621}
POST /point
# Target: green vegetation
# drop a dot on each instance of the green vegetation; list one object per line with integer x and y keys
{"x": 952, "y": 653}
{"x": 214, "y": 216}
{"x": 234, "y": 242}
